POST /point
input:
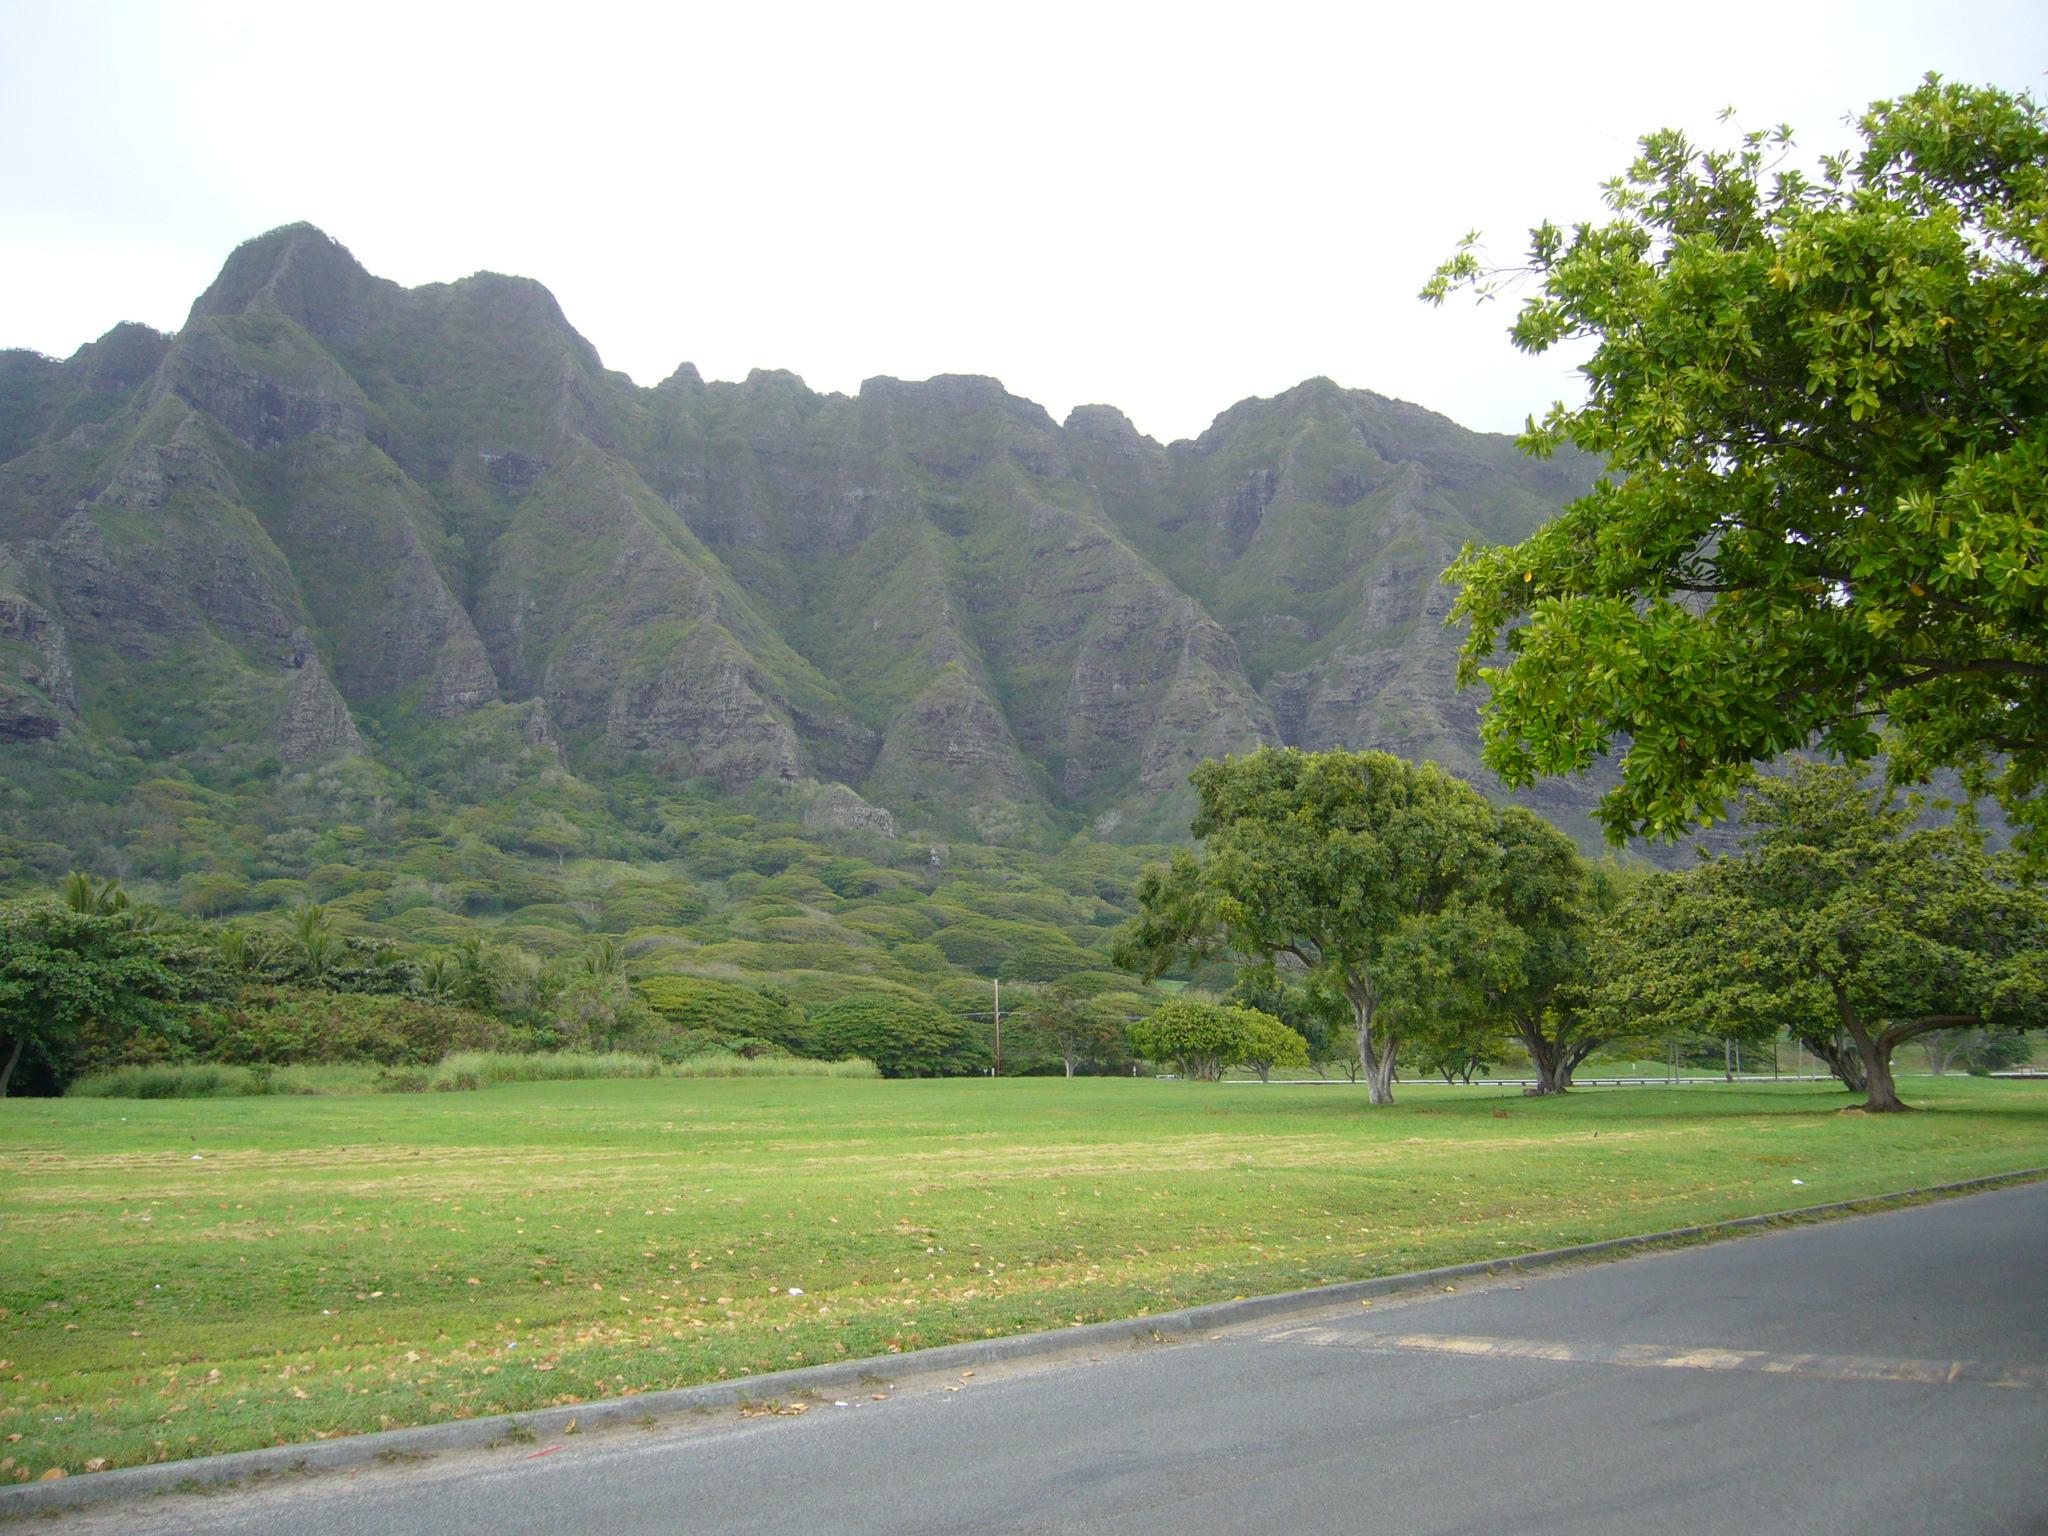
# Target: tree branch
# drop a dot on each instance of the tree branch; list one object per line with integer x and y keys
{"x": 1898, "y": 1033}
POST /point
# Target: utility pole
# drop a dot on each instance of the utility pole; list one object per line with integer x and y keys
{"x": 999, "y": 1028}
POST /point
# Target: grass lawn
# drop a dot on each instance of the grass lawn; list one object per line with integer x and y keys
{"x": 182, "y": 1277}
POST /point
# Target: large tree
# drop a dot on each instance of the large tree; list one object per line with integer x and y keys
{"x": 1357, "y": 866}
{"x": 1839, "y": 907}
{"x": 65, "y": 971}
{"x": 1073, "y": 1025}
{"x": 1825, "y": 513}
{"x": 1533, "y": 949}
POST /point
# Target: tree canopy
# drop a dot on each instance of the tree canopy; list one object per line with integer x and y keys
{"x": 1268, "y": 1043}
{"x": 1825, "y": 514}
{"x": 1519, "y": 965}
{"x": 66, "y": 971}
{"x": 1074, "y": 1026}
{"x": 1356, "y": 867}
{"x": 904, "y": 1036}
{"x": 1202, "y": 1039}
{"x": 1841, "y": 914}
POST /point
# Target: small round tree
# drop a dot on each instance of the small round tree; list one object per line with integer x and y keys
{"x": 1201, "y": 1039}
{"x": 1269, "y": 1044}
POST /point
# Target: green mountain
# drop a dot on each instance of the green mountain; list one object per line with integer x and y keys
{"x": 421, "y": 542}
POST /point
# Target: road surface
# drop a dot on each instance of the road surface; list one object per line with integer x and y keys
{"x": 1880, "y": 1374}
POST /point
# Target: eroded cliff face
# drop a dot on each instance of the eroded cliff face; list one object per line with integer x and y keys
{"x": 329, "y": 500}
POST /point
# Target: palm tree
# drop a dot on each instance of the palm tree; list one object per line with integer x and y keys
{"x": 318, "y": 946}
{"x": 440, "y": 976}
{"x": 81, "y": 893}
{"x": 604, "y": 960}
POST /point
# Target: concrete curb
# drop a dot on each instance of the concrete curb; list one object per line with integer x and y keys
{"x": 469, "y": 1434}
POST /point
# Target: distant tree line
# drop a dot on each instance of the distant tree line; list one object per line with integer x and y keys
{"x": 90, "y": 980}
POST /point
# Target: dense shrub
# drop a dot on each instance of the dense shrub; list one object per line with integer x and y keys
{"x": 1269, "y": 1044}
{"x": 285, "y": 1025}
{"x": 649, "y": 906}
{"x": 79, "y": 984}
{"x": 726, "y": 1010}
{"x": 985, "y": 945}
{"x": 1050, "y": 960}
{"x": 902, "y": 1036}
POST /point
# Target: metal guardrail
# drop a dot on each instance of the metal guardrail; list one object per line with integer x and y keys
{"x": 1577, "y": 1082}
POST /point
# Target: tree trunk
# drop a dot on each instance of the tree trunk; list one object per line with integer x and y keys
{"x": 1879, "y": 1094}
{"x": 1840, "y": 1057}
{"x": 1572, "y": 1058}
{"x": 1552, "y": 1075}
{"x": 1945, "y": 1046}
{"x": 1379, "y": 1078}
{"x": 1070, "y": 1065}
{"x": 1377, "y": 1056}
{"x": 7, "y": 1072}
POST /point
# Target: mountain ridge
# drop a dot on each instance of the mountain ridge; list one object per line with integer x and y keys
{"x": 332, "y": 516}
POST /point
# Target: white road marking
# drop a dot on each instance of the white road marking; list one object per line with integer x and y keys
{"x": 1974, "y": 1373}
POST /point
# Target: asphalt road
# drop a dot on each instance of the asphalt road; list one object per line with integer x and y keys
{"x": 1881, "y": 1374}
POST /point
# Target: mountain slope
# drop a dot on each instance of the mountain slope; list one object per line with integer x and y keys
{"x": 332, "y": 518}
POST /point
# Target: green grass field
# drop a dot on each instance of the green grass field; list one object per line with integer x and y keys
{"x": 182, "y": 1277}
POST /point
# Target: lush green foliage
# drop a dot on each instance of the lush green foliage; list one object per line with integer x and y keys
{"x": 632, "y": 1235}
{"x": 1203, "y": 1039}
{"x": 903, "y": 1036}
{"x": 1076, "y": 1028}
{"x": 1360, "y": 869}
{"x": 295, "y": 1025}
{"x": 1268, "y": 1043}
{"x": 69, "y": 976}
{"x": 1519, "y": 969}
{"x": 1306, "y": 1005}
{"x": 722, "y": 929}
{"x": 729, "y": 1010}
{"x": 459, "y": 1071}
{"x": 1839, "y": 917}
{"x": 1821, "y": 403}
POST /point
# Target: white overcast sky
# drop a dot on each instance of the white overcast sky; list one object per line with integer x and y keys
{"x": 1167, "y": 208}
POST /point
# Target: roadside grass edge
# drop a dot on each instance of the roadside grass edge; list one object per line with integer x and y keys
{"x": 405, "y": 1445}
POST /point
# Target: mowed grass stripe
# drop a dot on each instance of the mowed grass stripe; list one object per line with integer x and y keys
{"x": 333, "y": 1266}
